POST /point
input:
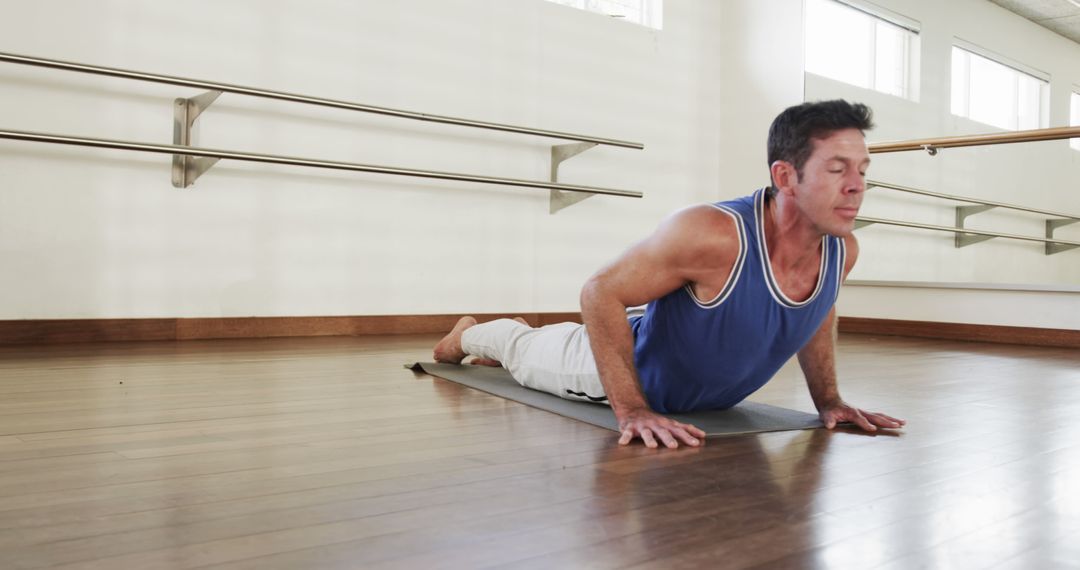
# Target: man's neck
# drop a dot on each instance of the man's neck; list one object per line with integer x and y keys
{"x": 792, "y": 241}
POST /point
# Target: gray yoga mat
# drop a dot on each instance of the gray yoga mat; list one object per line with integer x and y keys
{"x": 747, "y": 417}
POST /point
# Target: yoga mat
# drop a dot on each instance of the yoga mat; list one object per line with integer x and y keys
{"x": 747, "y": 417}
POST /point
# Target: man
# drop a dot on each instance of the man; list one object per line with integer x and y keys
{"x": 734, "y": 289}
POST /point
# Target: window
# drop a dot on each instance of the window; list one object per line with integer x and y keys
{"x": 644, "y": 12}
{"x": 1001, "y": 95}
{"x": 1074, "y": 118}
{"x": 852, "y": 45}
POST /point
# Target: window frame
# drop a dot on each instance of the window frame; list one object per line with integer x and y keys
{"x": 911, "y": 55}
{"x": 1020, "y": 69}
{"x": 652, "y": 11}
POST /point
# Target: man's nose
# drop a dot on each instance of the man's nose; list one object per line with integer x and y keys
{"x": 856, "y": 183}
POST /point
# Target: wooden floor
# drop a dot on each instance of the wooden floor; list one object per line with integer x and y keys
{"x": 327, "y": 453}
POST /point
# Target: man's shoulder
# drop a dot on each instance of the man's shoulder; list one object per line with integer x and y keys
{"x": 851, "y": 248}
{"x": 708, "y": 220}
{"x": 708, "y": 232}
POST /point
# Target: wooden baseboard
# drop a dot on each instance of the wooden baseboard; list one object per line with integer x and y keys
{"x": 109, "y": 330}
{"x": 27, "y": 332}
{"x": 960, "y": 331}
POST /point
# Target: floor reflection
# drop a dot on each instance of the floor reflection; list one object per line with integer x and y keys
{"x": 740, "y": 501}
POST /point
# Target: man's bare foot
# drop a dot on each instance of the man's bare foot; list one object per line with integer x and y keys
{"x": 449, "y": 348}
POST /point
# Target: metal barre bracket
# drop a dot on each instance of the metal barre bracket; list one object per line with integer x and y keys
{"x": 561, "y": 153}
{"x": 1052, "y": 247}
{"x": 965, "y": 239}
{"x": 187, "y": 169}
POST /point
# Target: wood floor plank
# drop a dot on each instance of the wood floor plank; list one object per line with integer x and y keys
{"x": 307, "y": 491}
{"x": 326, "y": 453}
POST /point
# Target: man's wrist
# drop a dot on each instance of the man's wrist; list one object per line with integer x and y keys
{"x": 827, "y": 402}
{"x": 625, "y": 410}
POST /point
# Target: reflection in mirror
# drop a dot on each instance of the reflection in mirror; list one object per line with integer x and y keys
{"x": 1043, "y": 175}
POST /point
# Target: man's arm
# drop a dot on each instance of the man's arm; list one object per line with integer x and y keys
{"x": 818, "y": 362}
{"x": 695, "y": 245}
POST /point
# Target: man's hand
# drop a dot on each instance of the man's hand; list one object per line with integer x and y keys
{"x": 650, "y": 426}
{"x": 868, "y": 421}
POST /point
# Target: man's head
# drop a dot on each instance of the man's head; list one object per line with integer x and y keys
{"x": 818, "y": 161}
{"x": 793, "y": 132}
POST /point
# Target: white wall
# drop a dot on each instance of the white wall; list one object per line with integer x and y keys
{"x": 94, "y": 234}
{"x": 762, "y": 65}
{"x": 970, "y": 303}
{"x": 1041, "y": 175}
{"x": 90, "y": 233}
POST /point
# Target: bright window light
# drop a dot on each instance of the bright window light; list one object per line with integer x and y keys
{"x": 1074, "y": 118}
{"x": 644, "y": 12}
{"x": 861, "y": 49}
{"x": 989, "y": 92}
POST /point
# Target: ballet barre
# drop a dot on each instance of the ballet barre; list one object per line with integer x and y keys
{"x": 191, "y": 162}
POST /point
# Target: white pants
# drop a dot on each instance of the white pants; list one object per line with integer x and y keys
{"x": 556, "y": 359}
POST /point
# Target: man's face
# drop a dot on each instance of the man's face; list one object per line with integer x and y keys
{"x": 833, "y": 181}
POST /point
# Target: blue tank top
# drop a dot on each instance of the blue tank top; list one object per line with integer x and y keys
{"x": 694, "y": 354}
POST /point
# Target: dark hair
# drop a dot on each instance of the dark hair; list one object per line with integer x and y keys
{"x": 792, "y": 134}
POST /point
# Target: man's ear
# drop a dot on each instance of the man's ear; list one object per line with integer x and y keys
{"x": 784, "y": 175}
